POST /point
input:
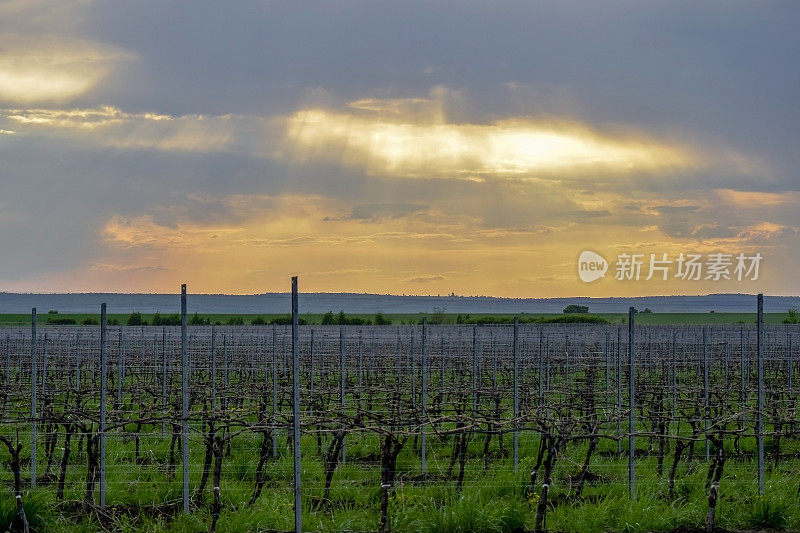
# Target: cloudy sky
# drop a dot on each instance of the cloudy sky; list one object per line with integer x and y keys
{"x": 406, "y": 147}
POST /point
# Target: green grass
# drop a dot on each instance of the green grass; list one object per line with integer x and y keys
{"x": 491, "y": 501}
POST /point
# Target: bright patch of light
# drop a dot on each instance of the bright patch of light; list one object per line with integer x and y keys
{"x": 448, "y": 149}
{"x": 51, "y": 69}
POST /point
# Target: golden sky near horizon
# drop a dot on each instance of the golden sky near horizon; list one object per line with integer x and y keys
{"x": 132, "y": 164}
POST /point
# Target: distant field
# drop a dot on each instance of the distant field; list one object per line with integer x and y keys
{"x": 400, "y": 319}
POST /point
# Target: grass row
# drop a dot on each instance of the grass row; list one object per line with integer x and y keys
{"x": 143, "y": 498}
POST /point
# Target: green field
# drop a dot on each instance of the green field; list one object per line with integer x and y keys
{"x": 401, "y": 319}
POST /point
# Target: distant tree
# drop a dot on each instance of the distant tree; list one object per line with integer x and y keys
{"x": 647, "y": 310}
{"x": 198, "y": 320}
{"x": 89, "y": 322}
{"x": 381, "y": 320}
{"x": 258, "y": 321}
{"x": 166, "y": 320}
{"x": 52, "y": 312}
{"x": 136, "y": 319}
{"x": 341, "y": 319}
{"x": 438, "y": 315}
{"x": 575, "y": 309}
{"x": 236, "y": 321}
{"x": 113, "y": 322}
{"x": 287, "y": 321}
{"x": 574, "y": 320}
{"x": 282, "y": 320}
{"x": 794, "y": 316}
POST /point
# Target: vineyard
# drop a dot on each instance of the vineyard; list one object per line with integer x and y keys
{"x": 517, "y": 427}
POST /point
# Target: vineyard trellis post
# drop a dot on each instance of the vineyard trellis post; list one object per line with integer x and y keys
{"x": 342, "y": 380}
{"x": 413, "y": 366}
{"x": 607, "y": 356}
{"x": 322, "y": 365}
{"x": 424, "y": 385}
{"x": 760, "y": 407}
{"x": 184, "y": 403}
{"x": 274, "y": 390}
{"x": 706, "y": 407}
{"x": 298, "y": 494}
{"x": 515, "y": 355}
{"x": 540, "y": 367}
{"x": 442, "y": 358}
{"x": 120, "y": 368}
{"x": 225, "y": 372}
{"x": 311, "y": 364}
{"x": 143, "y": 351}
{"x": 163, "y": 378}
{"x": 103, "y": 371}
{"x": 213, "y": 369}
{"x": 155, "y": 364}
{"x": 33, "y": 397}
{"x": 8, "y": 361}
{"x": 789, "y": 363}
{"x": 619, "y": 390}
{"x": 632, "y": 406}
{"x": 494, "y": 361}
{"x": 567, "y": 379}
{"x": 744, "y": 367}
{"x": 44, "y": 366}
{"x": 474, "y": 370}
{"x": 674, "y": 378}
{"x": 360, "y": 367}
{"x": 77, "y": 362}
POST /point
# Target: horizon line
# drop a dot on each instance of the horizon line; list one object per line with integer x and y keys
{"x": 451, "y": 295}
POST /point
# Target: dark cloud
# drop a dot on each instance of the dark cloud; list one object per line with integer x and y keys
{"x": 588, "y": 213}
{"x": 715, "y": 231}
{"x": 375, "y": 212}
{"x": 676, "y": 209}
{"x": 425, "y": 279}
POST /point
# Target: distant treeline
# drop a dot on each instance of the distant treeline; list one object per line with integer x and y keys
{"x": 565, "y": 319}
{"x": 328, "y": 319}
{"x": 136, "y": 319}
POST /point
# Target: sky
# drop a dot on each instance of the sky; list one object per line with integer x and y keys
{"x": 407, "y": 147}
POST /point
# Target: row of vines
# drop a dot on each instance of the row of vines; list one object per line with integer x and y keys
{"x": 400, "y": 405}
